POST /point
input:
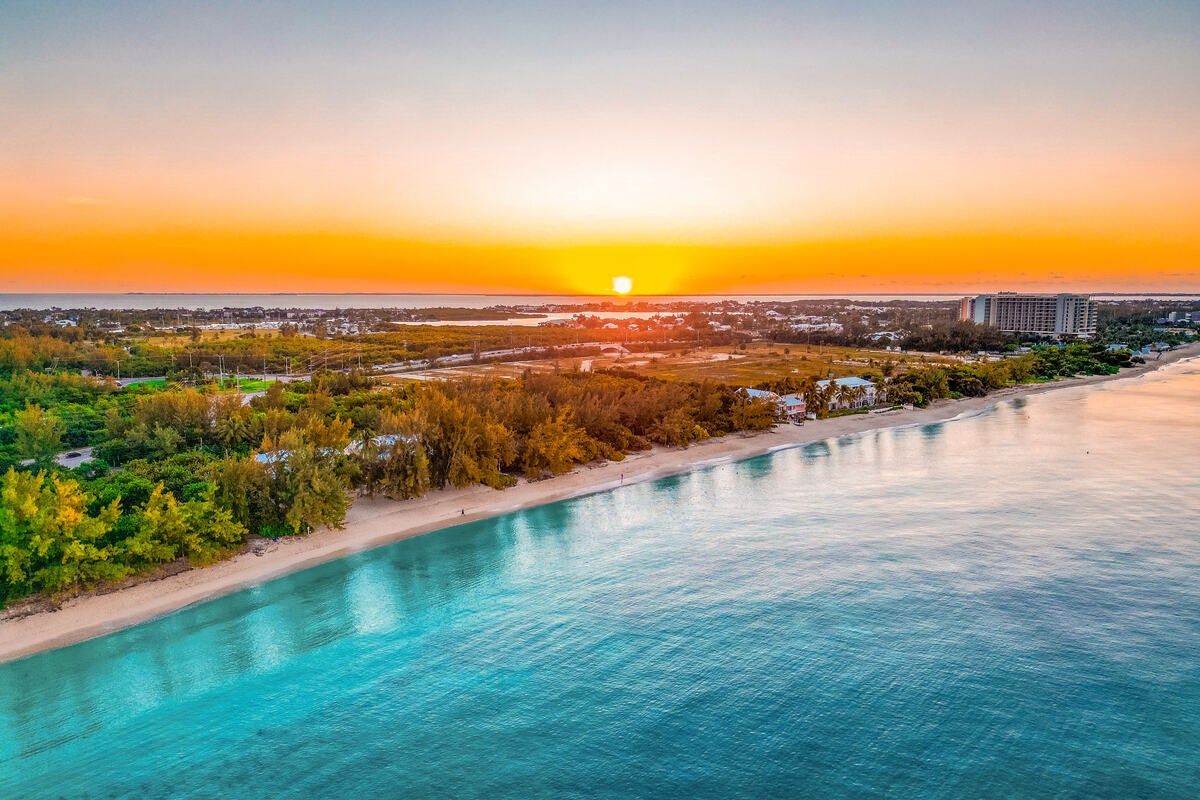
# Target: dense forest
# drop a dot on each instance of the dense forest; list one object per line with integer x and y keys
{"x": 185, "y": 474}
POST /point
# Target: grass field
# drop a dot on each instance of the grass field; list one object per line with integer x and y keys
{"x": 247, "y": 384}
{"x": 761, "y": 361}
{"x": 224, "y": 335}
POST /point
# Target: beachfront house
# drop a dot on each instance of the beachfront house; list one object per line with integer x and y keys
{"x": 382, "y": 444}
{"x": 849, "y": 393}
{"x": 770, "y": 397}
{"x": 794, "y": 407}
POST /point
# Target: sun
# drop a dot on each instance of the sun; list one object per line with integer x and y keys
{"x": 622, "y": 284}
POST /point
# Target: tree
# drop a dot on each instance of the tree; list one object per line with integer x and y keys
{"x": 274, "y": 396}
{"x": 48, "y": 541}
{"x": 554, "y": 446}
{"x": 39, "y": 435}
{"x": 308, "y": 479}
{"x": 163, "y": 441}
{"x": 463, "y": 446}
{"x": 401, "y": 465}
{"x": 198, "y": 530}
{"x": 209, "y": 532}
{"x": 753, "y": 415}
{"x": 677, "y": 428}
{"x": 158, "y": 522}
{"x": 244, "y": 488}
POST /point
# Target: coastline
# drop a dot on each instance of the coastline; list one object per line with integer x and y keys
{"x": 373, "y": 522}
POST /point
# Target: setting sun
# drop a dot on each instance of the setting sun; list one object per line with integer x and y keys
{"x": 622, "y": 284}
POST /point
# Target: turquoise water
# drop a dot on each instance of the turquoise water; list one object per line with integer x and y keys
{"x": 1002, "y": 606}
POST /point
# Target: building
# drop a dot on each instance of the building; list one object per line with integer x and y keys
{"x": 770, "y": 397}
{"x": 794, "y": 407}
{"x": 1038, "y": 314}
{"x": 867, "y": 398}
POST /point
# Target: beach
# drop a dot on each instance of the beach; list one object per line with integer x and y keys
{"x": 374, "y": 522}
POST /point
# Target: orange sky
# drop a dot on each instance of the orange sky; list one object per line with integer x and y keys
{"x": 766, "y": 147}
{"x": 188, "y": 262}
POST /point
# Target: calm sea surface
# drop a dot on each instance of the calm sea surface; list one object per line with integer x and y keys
{"x": 1003, "y": 606}
{"x": 334, "y": 301}
{"x": 9, "y": 302}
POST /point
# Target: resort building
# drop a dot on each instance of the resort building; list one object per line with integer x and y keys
{"x": 847, "y": 395}
{"x": 1038, "y": 314}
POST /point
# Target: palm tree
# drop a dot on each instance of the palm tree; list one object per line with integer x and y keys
{"x": 814, "y": 397}
{"x": 857, "y": 393}
{"x": 841, "y": 394}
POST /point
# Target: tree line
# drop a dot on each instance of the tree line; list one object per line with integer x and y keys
{"x": 184, "y": 474}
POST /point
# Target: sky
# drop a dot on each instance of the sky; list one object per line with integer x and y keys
{"x": 548, "y": 146}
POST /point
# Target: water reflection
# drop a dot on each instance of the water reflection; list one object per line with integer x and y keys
{"x": 879, "y": 573}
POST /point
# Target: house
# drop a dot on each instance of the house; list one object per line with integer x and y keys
{"x": 866, "y": 399}
{"x": 381, "y": 443}
{"x": 794, "y": 407}
{"x": 771, "y": 397}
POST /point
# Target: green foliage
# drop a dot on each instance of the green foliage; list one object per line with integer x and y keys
{"x": 309, "y": 476}
{"x": 48, "y": 541}
{"x": 187, "y": 483}
{"x": 554, "y": 446}
{"x": 39, "y": 435}
{"x": 922, "y": 385}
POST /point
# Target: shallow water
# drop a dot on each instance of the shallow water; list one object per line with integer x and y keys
{"x": 1001, "y": 606}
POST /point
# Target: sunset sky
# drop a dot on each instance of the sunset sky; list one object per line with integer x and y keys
{"x": 546, "y": 147}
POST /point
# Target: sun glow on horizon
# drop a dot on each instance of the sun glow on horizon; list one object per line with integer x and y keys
{"x": 622, "y": 284}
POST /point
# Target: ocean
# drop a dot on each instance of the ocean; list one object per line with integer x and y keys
{"x": 144, "y": 302}
{"x": 1000, "y": 606}
{"x": 9, "y": 302}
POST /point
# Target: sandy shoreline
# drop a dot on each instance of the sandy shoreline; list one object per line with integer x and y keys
{"x": 372, "y": 523}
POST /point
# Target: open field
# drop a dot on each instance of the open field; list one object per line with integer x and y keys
{"x": 206, "y": 337}
{"x": 760, "y": 361}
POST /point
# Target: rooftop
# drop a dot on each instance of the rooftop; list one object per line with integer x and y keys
{"x": 846, "y": 382}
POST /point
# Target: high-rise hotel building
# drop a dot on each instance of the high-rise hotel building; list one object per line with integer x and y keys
{"x": 1039, "y": 314}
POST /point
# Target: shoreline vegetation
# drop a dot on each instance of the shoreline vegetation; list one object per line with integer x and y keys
{"x": 374, "y": 520}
